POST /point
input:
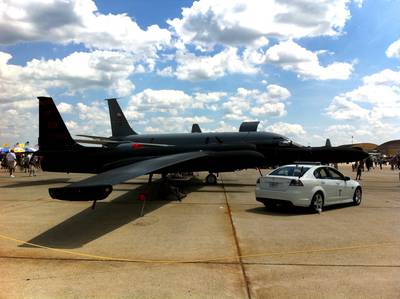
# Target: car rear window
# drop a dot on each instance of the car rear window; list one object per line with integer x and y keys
{"x": 290, "y": 171}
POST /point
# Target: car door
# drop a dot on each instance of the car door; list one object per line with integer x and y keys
{"x": 326, "y": 183}
{"x": 338, "y": 184}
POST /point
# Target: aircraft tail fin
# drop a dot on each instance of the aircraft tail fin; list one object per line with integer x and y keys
{"x": 328, "y": 143}
{"x": 53, "y": 134}
{"x": 196, "y": 128}
{"x": 119, "y": 125}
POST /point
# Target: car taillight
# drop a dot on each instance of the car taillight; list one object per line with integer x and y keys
{"x": 296, "y": 183}
{"x": 258, "y": 181}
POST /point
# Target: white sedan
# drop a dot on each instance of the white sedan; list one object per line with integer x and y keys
{"x": 306, "y": 185}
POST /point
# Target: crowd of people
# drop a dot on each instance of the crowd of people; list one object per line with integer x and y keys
{"x": 27, "y": 162}
{"x": 374, "y": 162}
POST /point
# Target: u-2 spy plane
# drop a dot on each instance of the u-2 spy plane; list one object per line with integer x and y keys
{"x": 163, "y": 153}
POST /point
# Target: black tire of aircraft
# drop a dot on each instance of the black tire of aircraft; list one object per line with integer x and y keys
{"x": 211, "y": 179}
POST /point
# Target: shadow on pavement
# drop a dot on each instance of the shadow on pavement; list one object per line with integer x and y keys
{"x": 289, "y": 210}
{"x": 89, "y": 225}
{"x": 37, "y": 183}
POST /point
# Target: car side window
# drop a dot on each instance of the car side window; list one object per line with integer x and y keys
{"x": 334, "y": 174}
{"x": 321, "y": 173}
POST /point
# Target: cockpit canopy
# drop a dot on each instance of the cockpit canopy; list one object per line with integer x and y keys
{"x": 286, "y": 142}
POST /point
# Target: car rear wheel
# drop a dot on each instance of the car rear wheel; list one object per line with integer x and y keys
{"x": 357, "y": 197}
{"x": 317, "y": 202}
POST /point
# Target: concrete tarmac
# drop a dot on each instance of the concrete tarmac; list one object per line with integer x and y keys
{"x": 218, "y": 242}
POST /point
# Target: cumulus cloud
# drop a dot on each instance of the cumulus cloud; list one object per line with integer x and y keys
{"x": 394, "y": 49}
{"x": 225, "y": 127}
{"x": 208, "y": 100}
{"x": 77, "y": 21}
{"x": 240, "y": 22}
{"x": 164, "y": 100}
{"x": 64, "y": 107}
{"x": 290, "y": 56}
{"x": 174, "y": 124}
{"x": 372, "y": 108}
{"x": 195, "y": 68}
{"x": 9, "y": 131}
{"x": 12, "y": 84}
{"x": 377, "y": 98}
{"x": 91, "y": 119}
{"x": 79, "y": 71}
{"x": 256, "y": 102}
{"x": 286, "y": 129}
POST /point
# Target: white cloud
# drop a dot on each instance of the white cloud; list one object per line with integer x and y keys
{"x": 372, "y": 108}
{"x": 77, "y": 21}
{"x": 344, "y": 109}
{"x": 12, "y": 84}
{"x": 224, "y": 127}
{"x": 71, "y": 125}
{"x": 64, "y": 107}
{"x": 166, "y": 72}
{"x": 175, "y": 124}
{"x": 91, "y": 119}
{"x": 286, "y": 129}
{"x": 228, "y": 61}
{"x": 292, "y": 57}
{"x": 245, "y": 22}
{"x": 77, "y": 72}
{"x": 12, "y": 133}
{"x": 276, "y": 109}
{"x": 207, "y": 100}
{"x": 376, "y": 99}
{"x": 394, "y": 49}
{"x": 164, "y": 100}
{"x": 256, "y": 102}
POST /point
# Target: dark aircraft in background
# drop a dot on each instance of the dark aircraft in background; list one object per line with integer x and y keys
{"x": 136, "y": 155}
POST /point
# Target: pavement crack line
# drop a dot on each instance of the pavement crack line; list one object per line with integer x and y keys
{"x": 239, "y": 253}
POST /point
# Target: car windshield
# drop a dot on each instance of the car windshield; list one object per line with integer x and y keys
{"x": 290, "y": 171}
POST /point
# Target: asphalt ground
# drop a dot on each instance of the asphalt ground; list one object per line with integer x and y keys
{"x": 218, "y": 242}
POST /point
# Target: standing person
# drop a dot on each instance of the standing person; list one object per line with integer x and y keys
{"x": 359, "y": 169}
{"x": 11, "y": 162}
{"x": 32, "y": 164}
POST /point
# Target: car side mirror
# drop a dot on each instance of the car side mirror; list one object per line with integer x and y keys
{"x": 346, "y": 178}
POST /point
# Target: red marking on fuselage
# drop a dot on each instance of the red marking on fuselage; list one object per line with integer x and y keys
{"x": 137, "y": 146}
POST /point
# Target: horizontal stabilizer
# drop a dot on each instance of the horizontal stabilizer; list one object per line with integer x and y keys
{"x": 109, "y": 141}
{"x": 249, "y": 126}
{"x": 82, "y": 193}
{"x": 101, "y": 142}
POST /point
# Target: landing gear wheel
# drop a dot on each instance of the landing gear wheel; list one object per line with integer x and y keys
{"x": 357, "y": 196}
{"x": 317, "y": 202}
{"x": 211, "y": 179}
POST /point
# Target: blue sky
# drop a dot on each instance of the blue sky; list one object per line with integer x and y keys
{"x": 305, "y": 69}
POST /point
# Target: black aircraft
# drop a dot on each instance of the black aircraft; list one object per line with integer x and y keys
{"x": 144, "y": 154}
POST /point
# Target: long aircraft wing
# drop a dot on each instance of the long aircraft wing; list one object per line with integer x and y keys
{"x": 99, "y": 186}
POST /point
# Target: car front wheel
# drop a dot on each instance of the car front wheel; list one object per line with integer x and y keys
{"x": 317, "y": 202}
{"x": 357, "y": 197}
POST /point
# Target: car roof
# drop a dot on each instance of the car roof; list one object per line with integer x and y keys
{"x": 304, "y": 165}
